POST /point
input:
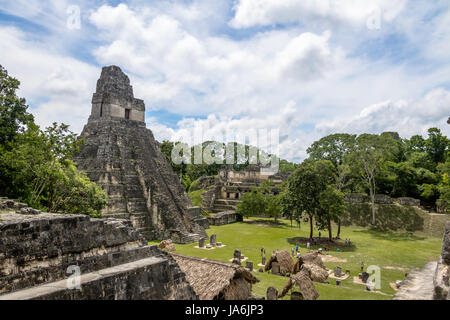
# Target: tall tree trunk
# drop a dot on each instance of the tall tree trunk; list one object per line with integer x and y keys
{"x": 330, "y": 234}
{"x": 372, "y": 198}
{"x": 338, "y": 236}
{"x": 310, "y": 227}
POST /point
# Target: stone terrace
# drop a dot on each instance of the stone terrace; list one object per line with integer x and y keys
{"x": 114, "y": 260}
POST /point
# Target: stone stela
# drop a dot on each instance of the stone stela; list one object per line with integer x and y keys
{"x": 272, "y": 293}
{"x": 338, "y": 271}
{"x": 275, "y": 268}
{"x": 212, "y": 240}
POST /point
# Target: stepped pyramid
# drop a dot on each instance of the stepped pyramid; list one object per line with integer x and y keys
{"x": 122, "y": 156}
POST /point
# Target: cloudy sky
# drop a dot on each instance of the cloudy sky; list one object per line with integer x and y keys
{"x": 305, "y": 67}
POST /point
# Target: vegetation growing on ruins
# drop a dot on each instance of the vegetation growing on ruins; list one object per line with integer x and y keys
{"x": 36, "y": 165}
{"x": 196, "y": 197}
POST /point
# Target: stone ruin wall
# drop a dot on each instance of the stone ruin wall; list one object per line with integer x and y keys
{"x": 381, "y": 199}
{"x": 441, "y": 281}
{"x": 36, "y": 251}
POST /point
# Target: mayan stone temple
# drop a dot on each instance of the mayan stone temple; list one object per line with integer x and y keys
{"x": 122, "y": 156}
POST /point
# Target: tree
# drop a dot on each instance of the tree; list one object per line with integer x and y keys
{"x": 252, "y": 203}
{"x": 287, "y": 167}
{"x": 73, "y": 192}
{"x": 41, "y": 173}
{"x": 273, "y": 206}
{"x": 366, "y": 159}
{"x": 436, "y": 145}
{"x": 305, "y": 185}
{"x": 404, "y": 179}
{"x": 343, "y": 178}
{"x": 415, "y": 144}
{"x": 13, "y": 110}
{"x": 287, "y": 205}
{"x": 333, "y": 147}
{"x": 443, "y": 202}
{"x": 331, "y": 207}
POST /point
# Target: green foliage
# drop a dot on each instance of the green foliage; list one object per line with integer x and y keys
{"x": 273, "y": 206}
{"x": 333, "y": 147}
{"x": 415, "y": 145}
{"x": 404, "y": 180}
{"x": 436, "y": 145}
{"x": 305, "y": 186}
{"x": 429, "y": 192}
{"x": 420, "y": 160}
{"x": 444, "y": 186}
{"x": 367, "y": 158}
{"x": 331, "y": 207}
{"x": 35, "y": 164}
{"x": 42, "y": 175}
{"x": 186, "y": 180}
{"x": 252, "y": 203}
{"x": 73, "y": 192}
{"x": 196, "y": 197}
{"x": 287, "y": 167}
{"x": 193, "y": 185}
{"x": 13, "y": 110}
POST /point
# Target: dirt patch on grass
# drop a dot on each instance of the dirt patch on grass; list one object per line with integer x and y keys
{"x": 396, "y": 268}
{"x": 328, "y": 258}
{"x": 322, "y": 243}
{"x": 265, "y": 223}
{"x": 332, "y": 276}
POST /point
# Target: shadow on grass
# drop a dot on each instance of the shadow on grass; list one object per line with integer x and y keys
{"x": 267, "y": 223}
{"x": 391, "y": 236}
{"x": 323, "y": 243}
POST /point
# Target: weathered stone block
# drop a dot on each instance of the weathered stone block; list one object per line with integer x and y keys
{"x": 272, "y": 293}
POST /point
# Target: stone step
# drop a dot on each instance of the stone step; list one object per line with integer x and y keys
{"x": 88, "y": 281}
{"x": 232, "y": 202}
{"x": 224, "y": 207}
{"x": 190, "y": 237}
{"x": 222, "y": 210}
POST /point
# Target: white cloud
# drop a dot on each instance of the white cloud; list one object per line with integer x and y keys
{"x": 405, "y": 117}
{"x": 186, "y": 73}
{"x": 312, "y": 76}
{"x": 60, "y": 87}
{"x": 292, "y": 143}
{"x": 250, "y": 13}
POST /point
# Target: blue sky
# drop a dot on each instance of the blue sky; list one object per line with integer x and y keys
{"x": 306, "y": 68}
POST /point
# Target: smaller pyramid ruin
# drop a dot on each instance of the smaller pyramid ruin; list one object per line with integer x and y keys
{"x": 122, "y": 156}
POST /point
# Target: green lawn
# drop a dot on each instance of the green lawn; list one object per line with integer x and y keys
{"x": 390, "y": 250}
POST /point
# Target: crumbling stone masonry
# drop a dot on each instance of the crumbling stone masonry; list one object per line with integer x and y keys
{"x": 37, "y": 251}
{"x": 441, "y": 279}
{"x": 122, "y": 156}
